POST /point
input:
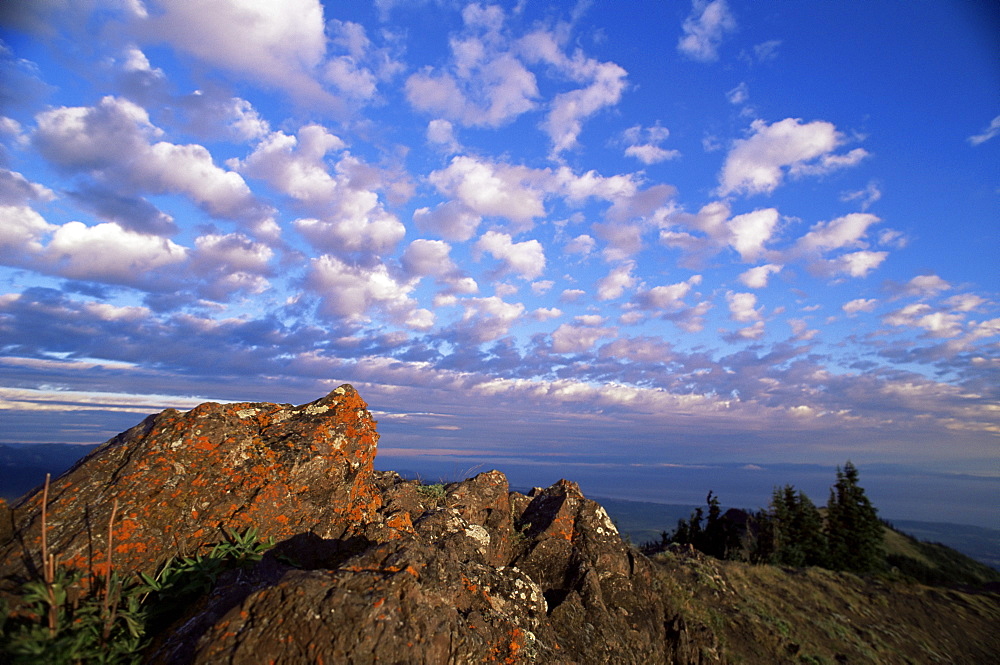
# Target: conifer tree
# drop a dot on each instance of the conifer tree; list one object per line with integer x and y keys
{"x": 853, "y": 530}
{"x": 794, "y": 530}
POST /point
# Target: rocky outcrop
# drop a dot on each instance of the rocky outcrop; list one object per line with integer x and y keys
{"x": 178, "y": 480}
{"x": 368, "y": 567}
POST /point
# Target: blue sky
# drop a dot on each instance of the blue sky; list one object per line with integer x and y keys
{"x": 569, "y": 239}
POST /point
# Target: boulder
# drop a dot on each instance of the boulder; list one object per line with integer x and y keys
{"x": 178, "y": 480}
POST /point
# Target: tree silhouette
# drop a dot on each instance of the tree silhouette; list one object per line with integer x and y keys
{"x": 853, "y": 530}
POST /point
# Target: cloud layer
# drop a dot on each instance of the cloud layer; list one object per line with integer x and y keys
{"x": 499, "y": 222}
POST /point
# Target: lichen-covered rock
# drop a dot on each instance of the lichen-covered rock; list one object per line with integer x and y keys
{"x": 464, "y": 582}
{"x": 180, "y": 479}
{"x": 368, "y": 567}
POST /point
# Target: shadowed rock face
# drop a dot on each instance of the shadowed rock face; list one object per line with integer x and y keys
{"x": 369, "y": 567}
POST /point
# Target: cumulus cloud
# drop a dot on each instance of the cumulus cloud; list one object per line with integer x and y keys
{"x": 282, "y": 45}
{"x": 485, "y": 319}
{"x": 846, "y": 231}
{"x": 923, "y": 286}
{"x": 570, "y": 338}
{"x": 22, "y": 231}
{"x": 488, "y": 189}
{"x": 526, "y": 259}
{"x": 351, "y": 293}
{"x": 855, "y": 264}
{"x": 743, "y": 307}
{"x": 485, "y": 85}
{"x": 758, "y": 164}
{"x": 442, "y": 134}
{"x": 757, "y": 277}
{"x": 107, "y": 252}
{"x": 666, "y": 297}
{"x": 582, "y": 245}
{"x": 452, "y": 220}
{"x": 750, "y": 232}
{"x": 231, "y": 263}
{"x": 644, "y": 144}
{"x": 936, "y": 323}
{"x": 614, "y": 284}
{"x": 852, "y": 307}
{"x": 112, "y": 142}
{"x": 604, "y": 83}
{"x": 349, "y": 214}
{"x": 704, "y": 30}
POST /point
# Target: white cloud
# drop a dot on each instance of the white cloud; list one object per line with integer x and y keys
{"x": 867, "y": 196}
{"x": 350, "y": 292}
{"x": 801, "y": 332}
{"x": 487, "y": 319}
{"x": 667, "y": 297}
{"x": 280, "y": 44}
{"x": 112, "y": 141}
{"x": 428, "y": 257}
{"x": 743, "y": 307}
{"x": 846, "y": 231}
{"x": 613, "y": 284}
{"x": 546, "y": 313}
{"x": 859, "y": 305}
{"x": 17, "y": 190}
{"x": 751, "y": 231}
{"x": 757, "y": 164}
{"x": 604, "y": 85}
{"x": 452, "y": 220}
{"x": 921, "y": 315}
{"x": 569, "y": 338}
{"x": 569, "y": 109}
{"x": 542, "y": 287}
{"x": 644, "y": 144}
{"x": 756, "y": 331}
{"x": 108, "y": 252}
{"x": 704, "y": 29}
{"x": 487, "y": 189}
{"x": 582, "y": 244}
{"x": 987, "y": 133}
{"x": 758, "y": 276}
{"x": 965, "y": 302}
{"x": 350, "y": 217}
{"x": 855, "y": 264}
{"x": 442, "y": 133}
{"x": 21, "y": 233}
{"x": 925, "y": 286}
{"x": 485, "y": 85}
{"x": 527, "y": 258}
{"x": 739, "y": 95}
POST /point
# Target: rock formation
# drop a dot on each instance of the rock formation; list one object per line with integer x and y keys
{"x": 368, "y": 566}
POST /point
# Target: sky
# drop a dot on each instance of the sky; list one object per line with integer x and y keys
{"x": 643, "y": 245}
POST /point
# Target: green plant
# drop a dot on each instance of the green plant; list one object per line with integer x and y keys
{"x": 62, "y": 621}
{"x": 435, "y": 491}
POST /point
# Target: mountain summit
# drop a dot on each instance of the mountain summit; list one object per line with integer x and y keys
{"x": 364, "y": 566}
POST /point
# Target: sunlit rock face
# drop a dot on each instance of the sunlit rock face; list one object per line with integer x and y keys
{"x": 367, "y": 566}
{"x": 181, "y": 479}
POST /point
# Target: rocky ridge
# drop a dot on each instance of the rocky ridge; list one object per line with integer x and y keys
{"x": 370, "y": 567}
